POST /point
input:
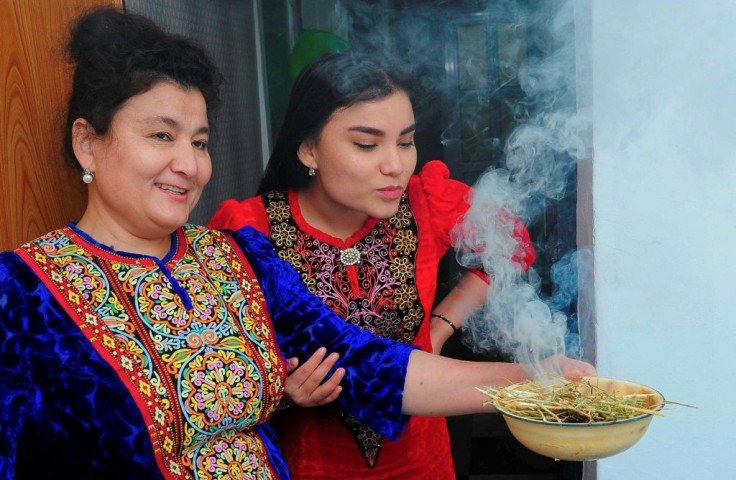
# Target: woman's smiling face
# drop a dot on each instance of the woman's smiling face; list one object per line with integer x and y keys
{"x": 152, "y": 165}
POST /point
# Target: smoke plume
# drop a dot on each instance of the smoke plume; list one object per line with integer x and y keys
{"x": 541, "y": 157}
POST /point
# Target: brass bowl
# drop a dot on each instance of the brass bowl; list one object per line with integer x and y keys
{"x": 585, "y": 441}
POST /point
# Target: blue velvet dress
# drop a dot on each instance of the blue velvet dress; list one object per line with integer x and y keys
{"x": 115, "y": 365}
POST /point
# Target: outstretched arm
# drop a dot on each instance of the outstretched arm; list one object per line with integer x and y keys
{"x": 439, "y": 386}
{"x": 375, "y": 368}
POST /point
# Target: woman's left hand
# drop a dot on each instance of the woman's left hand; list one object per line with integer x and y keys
{"x": 304, "y": 385}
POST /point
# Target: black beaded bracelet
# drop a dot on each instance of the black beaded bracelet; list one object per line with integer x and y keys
{"x": 446, "y": 320}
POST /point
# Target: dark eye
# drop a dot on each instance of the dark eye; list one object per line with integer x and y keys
{"x": 162, "y": 136}
{"x": 200, "y": 144}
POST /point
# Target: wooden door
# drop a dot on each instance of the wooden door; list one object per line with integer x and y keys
{"x": 39, "y": 190}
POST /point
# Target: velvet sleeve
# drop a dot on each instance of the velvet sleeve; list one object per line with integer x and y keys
{"x": 16, "y": 385}
{"x": 375, "y": 367}
{"x": 448, "y": 201}
{"x": 233, "y": 214}
{"x": 62, "y": 407}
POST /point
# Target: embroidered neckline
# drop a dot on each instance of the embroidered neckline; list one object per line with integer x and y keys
{"x": 301, "y": 222}
{"x": 176, "y": 250}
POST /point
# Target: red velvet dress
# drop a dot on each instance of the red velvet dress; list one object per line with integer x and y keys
{"x": 390, "y": 291}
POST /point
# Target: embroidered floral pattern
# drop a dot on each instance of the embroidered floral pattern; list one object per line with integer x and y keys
{"x": 385, "y": 273}
{"x": 203, "y": 379}
{"x": 219, "y": 387}
{"x": 227, "y": 456}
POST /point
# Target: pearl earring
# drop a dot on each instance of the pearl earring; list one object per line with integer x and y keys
{"x": 87, "y": 176}
{"x": 311, "y": 172}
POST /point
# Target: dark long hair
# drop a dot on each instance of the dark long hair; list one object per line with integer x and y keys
{"x": 119, "y": 55}
{"x": 332, "y": 82}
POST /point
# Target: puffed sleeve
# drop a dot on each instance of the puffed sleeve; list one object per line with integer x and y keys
{"x": 375, "y": 367}
{"x": 446, "y": 199}
{"x": 447, "y": 203}
{"x": 233, "y": 214}
{"x": 16, "y": 384}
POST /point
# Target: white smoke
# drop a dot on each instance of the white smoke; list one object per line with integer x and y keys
{"x": 540, "y": 157}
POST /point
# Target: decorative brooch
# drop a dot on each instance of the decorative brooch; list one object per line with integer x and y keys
{"x": 350, "y": 256}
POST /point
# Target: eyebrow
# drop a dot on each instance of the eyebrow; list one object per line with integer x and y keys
{"x": 380, "y": 133}
{"x": 173, "y": 123}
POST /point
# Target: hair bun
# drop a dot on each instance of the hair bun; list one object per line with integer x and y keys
{"x": 91, "y": 36}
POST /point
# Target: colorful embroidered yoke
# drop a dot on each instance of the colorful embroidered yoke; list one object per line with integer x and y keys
{"x": 201, "y": 380}
{"x": 196, "y": 371}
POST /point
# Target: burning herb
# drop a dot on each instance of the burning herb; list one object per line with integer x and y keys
{"x": 570, "y": 402}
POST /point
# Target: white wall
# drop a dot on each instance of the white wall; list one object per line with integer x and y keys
{"x": 664, "y": 187}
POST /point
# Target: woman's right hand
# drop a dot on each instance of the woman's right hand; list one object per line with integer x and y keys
{"x": 304, "y": 385}
{"x": 571, "y": 368}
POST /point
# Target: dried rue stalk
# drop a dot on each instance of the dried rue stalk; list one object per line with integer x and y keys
{"x": 570, "y": 402}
